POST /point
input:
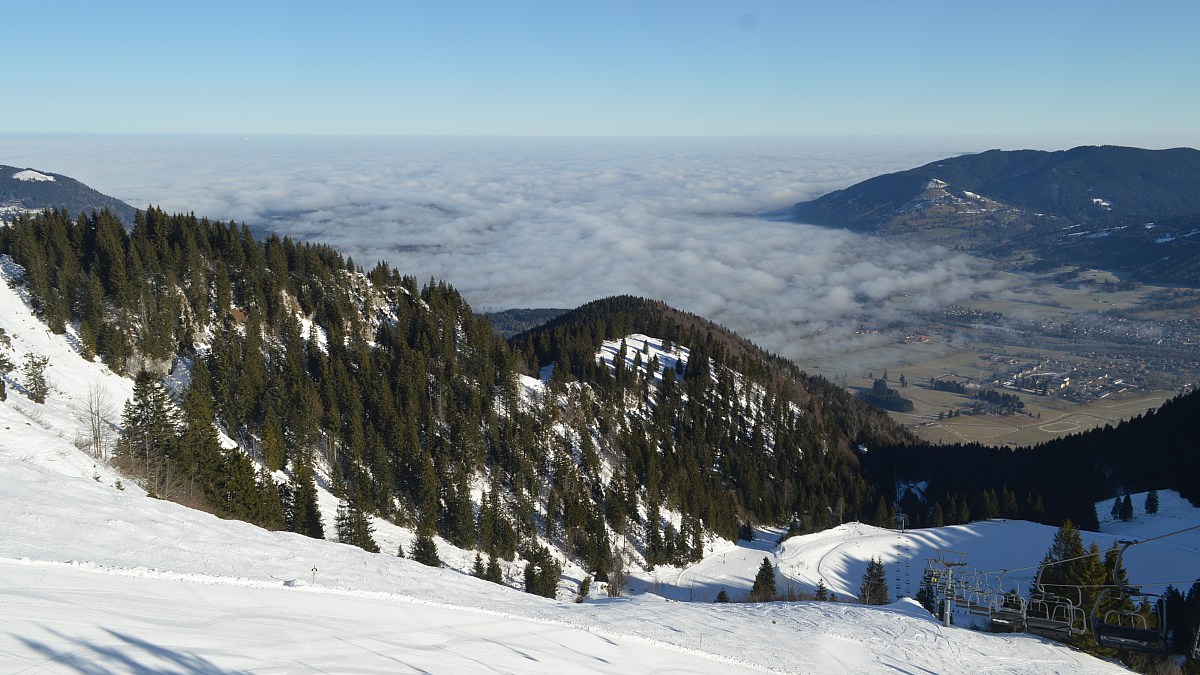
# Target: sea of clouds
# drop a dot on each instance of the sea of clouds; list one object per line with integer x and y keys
{"x": 554, "y": 222}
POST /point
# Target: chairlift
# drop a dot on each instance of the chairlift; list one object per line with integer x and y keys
{"x": 1008, "y": 612}
{"x": 1054, "y": 613}
{"x": 1128, "y": 619}
{"x": 1125, "y": 618}
{"x": 979, "y": 603}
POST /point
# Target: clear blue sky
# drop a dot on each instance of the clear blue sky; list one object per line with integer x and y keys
{"x": 567, "y": 67}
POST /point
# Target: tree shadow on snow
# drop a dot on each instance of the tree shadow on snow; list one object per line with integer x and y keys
{"x": 122, "y": 654}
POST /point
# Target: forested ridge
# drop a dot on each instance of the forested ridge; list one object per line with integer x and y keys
{"x": 1057, "y": 480}
{"x": 312, "y": 364}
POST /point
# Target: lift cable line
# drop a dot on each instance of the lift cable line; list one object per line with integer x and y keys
{"x": 1125, "y": 543}
{"x": 1123, "y": 616}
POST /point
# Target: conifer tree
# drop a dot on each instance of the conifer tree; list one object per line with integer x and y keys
{"x": 272, "y": 441}
{"x": 305, "y": 514}
{"x": 150, "y": 427}
{"x": 936, "y": 518}
{"x": 1064, "y": 563}
{"x": 354, "y": 527}
{"x": 494, "y": 574}
{"x": 964, "y": 513}
{"x": 542, "y": 573}
{"x": 33, "y": 369}
{"x": 763, "y": 589}
{"x": 822, "y": 592}
{"x": 881, "y": 518}
{"x": 722, "y": 596}
{"x": 424, "y": 550}
{"x": 1126, "y": 508}
{"x": 874, "y": 587}
{"x": 269, "y": 511}
{"x": 1152, "y": 502}
{"x": 199, "y": 454}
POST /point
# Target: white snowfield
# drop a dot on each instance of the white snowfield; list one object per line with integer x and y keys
{"x": 30, "y": 174}
{"x": 99, "y": 579}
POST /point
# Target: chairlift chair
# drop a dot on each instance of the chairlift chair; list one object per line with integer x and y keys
{"x": 979, "y": 603}
{"x": 1008, "y": 612}
{"x": 1055, "y": 615}
{"x": 1140, "y": 629}
{"x": 1128, "y": 619}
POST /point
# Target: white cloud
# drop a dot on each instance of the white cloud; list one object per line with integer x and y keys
{"x": 559, "y": 222}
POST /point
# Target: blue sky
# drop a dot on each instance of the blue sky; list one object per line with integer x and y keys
{"x": 1104, "y": 70}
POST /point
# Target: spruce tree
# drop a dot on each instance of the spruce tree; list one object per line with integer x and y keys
{"x": 1126, "y": 508}
{"x": 763, "y": 589}
{"x": 150, "y": 428}
{"x": 424, "y": 550}
{"x": 542, "y": 573}
{"x": 1064, "y": 562}
{"x": 874, "y": 587}
{"x": 305, "y": 515}
{"x": 936, "y": 518}
{"x": 34, "y": 371}
{"x": 354, "y": 526}
{"x": 269, "y": 511}
{"x": 722, "y": 596}
{"x": 822, "y": 593}
{"x": 494, "y": 573}
{"x": 199, "y": 454}
{"x": 1152, "y": 502}
{"x": 273, "y": 453}
{"x": 881, "y": 518}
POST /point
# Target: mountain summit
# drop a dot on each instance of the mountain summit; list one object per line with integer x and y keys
{"x": 24, "y": 189}
{"x": 1079, "y": 184}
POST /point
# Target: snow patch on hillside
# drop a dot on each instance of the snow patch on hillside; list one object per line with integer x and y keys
{"x": 31, "y": 175}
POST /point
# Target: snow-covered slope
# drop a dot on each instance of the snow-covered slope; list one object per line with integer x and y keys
{"x": 97, "y": 577}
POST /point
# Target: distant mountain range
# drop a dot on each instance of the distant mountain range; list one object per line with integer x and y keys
{"x": 1080, "y": 184}
{"x": 24, "y": 189}
{"x": 1129, "y": 210}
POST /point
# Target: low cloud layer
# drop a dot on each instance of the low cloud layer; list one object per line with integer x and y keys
{"x": 559, "y": 222}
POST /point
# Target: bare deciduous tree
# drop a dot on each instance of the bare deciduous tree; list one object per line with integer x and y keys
{"x": 97, "y": 415}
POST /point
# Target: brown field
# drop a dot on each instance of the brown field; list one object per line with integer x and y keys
{"x": 944, "y": 354}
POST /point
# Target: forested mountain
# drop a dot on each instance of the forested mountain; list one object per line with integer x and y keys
{"x": 27, "y": 189}
{"x": 509, "y": 322}
{"x": 1128, "y": 210}
{"x": 411, "y": 409}
{"x": 1078, "y": 184}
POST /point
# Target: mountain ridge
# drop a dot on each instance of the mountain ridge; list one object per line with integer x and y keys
{"x": 26, "y": 189}
{"x": 1079, "y": 184}
{"x": 1132, "y": 211}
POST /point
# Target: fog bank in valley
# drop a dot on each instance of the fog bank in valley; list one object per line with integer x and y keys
{"x": 558, "y": 222}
